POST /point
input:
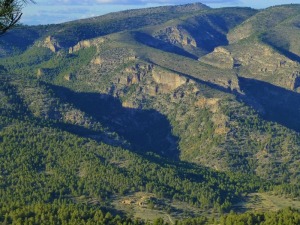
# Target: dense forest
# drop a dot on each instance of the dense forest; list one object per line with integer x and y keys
{"x": 168, "y": 115}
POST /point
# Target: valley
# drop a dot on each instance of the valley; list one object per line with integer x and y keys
{"x": 185, "y": 113}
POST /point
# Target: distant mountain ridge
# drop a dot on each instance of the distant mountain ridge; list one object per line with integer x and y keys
{"x": 204, "y": 101}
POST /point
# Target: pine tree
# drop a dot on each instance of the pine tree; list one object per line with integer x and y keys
{"x": 10, "y": 13}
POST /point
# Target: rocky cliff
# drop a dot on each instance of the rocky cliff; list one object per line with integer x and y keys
{"x": 51, "y": 43}
{"x": 176, "y": 35}
{"x": 221, "y": 58}
{"x": 86, "y": 44}
{"x": 168, "y": 80}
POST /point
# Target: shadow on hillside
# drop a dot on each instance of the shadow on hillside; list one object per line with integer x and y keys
{"x": 286, "y": 53}
{"x": 207, "y": 83}
{"x": 145, "y": 130}
{"x": 150, "y": 41}
{"x": 273, "y": 103}
{"x": 280, "y": 105}
{"x": 11, "y": 40}
{"x": 206, "y": 35}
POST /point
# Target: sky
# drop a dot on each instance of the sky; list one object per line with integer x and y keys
{"x": 58, "y": 11}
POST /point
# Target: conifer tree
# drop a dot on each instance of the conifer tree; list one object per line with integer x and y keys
{"x": 10, "y": 13}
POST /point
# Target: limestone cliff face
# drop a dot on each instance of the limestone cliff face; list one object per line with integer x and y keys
{"x": 134, "y": 74}
{"x": 148, "y": 79}
{"x": 128, "y": 104}
{"x": 176, "y": 35}
{"x": 80, "y": 45}
{"x": 256, "y": 60}
{"x": 51, "y": 43}
{"x": 169, "y": 80}
{"x": 261, "y": 62}
{"x": 294, "y": 81}
{"x": 86, "y": 44}
{"x": 257, "y": 56}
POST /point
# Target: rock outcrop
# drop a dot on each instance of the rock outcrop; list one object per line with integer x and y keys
{"x": 220, "y": 58}
{"x": 51, "y": 43}
{"x": 219, "y": 119}
{"x": 256, "y": 60}
{"x": 68, "y": 76}
{"x": 176, "y": 35}
{"x": 169, "y": 80}
{"x": 97, "y": 61}
{"x": 86, "y": 44}
{"x": 40, "y": 72}
{"x": 134, "y": 74}
{"x": 295, "y": 81}
{"x": 207, "y": 103}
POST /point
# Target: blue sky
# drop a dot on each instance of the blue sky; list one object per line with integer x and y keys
{"x": 57, "y": 11}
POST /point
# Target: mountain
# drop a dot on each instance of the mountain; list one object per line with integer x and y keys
{"x": 184, "y": 110}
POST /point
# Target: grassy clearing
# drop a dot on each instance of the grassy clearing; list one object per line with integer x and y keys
{"x": 148, "y": 207}
{"x": 267, "y": 202}
{"x": 141, "y": 205}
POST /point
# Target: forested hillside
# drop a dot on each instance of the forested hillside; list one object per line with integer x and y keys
{"x": 177, "y": 113}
